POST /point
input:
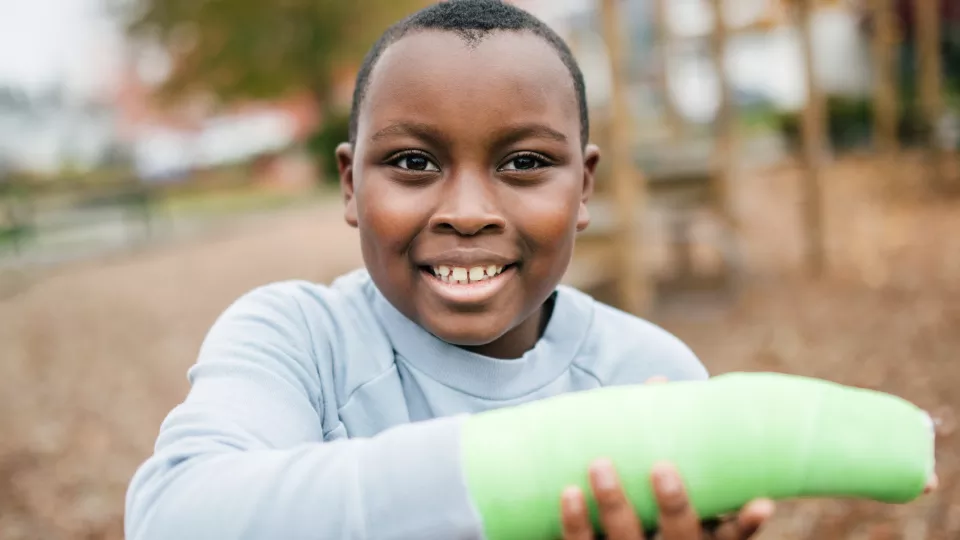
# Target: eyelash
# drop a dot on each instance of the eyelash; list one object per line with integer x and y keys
{"x": 542, "y": 161}
{"x": 397, "y": 158}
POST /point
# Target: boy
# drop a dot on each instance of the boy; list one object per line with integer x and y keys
{"x": 333, "y": 412}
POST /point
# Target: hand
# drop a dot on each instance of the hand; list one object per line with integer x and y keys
{"x": 678, "y": 520}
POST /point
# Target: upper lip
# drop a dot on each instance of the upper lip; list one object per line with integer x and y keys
{"x": 466, "y": 258}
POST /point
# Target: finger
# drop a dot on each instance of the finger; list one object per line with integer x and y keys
{"x": 678, "y": 520}
{"x": 659, "y": 379}
{"x": 617, "y": 515}
{"x": 932, "y": 484}
{"x": 747, "y": 522}
{"x": 576, "y": 521}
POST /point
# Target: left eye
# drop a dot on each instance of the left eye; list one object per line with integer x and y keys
{"x": 523, "y": 163}
{"x": 415, "y": 162}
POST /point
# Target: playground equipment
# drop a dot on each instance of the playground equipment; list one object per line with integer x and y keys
{"x": 692, "y": 173}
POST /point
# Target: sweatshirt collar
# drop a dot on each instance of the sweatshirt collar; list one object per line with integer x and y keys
{"x": 483, "y": 376}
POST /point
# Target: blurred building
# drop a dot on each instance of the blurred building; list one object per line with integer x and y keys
{"x": 169, "y": 140}
{"x": 102, "y": 110}
{"x": 49, "y": 131}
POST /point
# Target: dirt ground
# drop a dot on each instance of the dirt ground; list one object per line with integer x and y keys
{"x": 93, "y": 356}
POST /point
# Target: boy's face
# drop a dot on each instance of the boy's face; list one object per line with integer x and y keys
{"x": 468, "y": 183}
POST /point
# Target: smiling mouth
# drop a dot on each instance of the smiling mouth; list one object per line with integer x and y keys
{"x": 461, "y": 275}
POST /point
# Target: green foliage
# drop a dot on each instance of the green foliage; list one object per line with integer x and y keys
{"x": 849, "y": 121}
{"x": 266, "y": 49}
{"x": 262, "y": 48}
{"x": 323, "y": 145}
{"x": 850, "y": 124}
{"x": 759, "y": 118}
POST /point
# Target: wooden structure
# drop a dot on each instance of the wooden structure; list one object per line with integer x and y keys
{"x": 928, "y": 37}
{"x": 676, "y": 177}
{"x": 668, "y": 176}
{"x": 885, "y": 68}
{"x": 725, "y": 151}
{"x": 813, "y": 128}
{"x": 631, "y": 281}
{"x": 919, "y": 21}
{"x": 664, "y": 45}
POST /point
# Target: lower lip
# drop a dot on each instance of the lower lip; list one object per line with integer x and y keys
{"x": 469, "y": 293}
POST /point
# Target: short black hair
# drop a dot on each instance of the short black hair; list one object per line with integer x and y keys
{"x": 472, "y": 20}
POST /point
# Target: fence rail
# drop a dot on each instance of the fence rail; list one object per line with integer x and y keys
{"x": 63, "y": 215}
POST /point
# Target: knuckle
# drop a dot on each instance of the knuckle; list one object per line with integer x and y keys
{"x": 674, "y": 504}
{"x": 729, "y": 531}
{"x": 684, "y": 527}
{"x": 576, "y": 528}
{"x": 621, "y": 526}
{"x": 610, "y": 498}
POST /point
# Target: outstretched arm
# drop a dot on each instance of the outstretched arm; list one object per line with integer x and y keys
{"x": 242, "y": 457}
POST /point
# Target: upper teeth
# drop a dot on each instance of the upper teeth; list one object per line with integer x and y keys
{"x": 459, "y": 274}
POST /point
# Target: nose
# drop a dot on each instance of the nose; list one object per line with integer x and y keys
{"x": 469, "y": 207}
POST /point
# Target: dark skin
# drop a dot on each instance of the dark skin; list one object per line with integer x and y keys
{"x": 471, "y": 155}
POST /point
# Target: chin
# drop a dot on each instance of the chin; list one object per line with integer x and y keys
{"x": 474, "y": 330}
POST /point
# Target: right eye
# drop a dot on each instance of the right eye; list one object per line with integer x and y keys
{"x": 414, "y": 162}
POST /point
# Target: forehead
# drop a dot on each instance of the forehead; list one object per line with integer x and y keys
{"x": 438, "y": 77}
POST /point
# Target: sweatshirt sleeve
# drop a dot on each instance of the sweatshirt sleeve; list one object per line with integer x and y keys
{"x": 243, "y": 456}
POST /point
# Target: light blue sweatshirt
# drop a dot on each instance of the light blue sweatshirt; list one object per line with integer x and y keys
{"x": 323, "y": 413}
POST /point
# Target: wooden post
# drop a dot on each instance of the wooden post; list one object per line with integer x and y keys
{"x": 725, "y": 128}
{"x": 885, "y": 68}
{"x": 664, "y": 44}
{"x": 812, "y": 128}
{"x": 927, "y": 32}
{"x": 628, "y": 187}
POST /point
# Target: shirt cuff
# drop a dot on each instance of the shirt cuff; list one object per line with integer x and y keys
{"x": 414, "y": 485}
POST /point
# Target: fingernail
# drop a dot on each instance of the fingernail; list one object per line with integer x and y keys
{"x": 667, "y": 480}
{"x": 603, "y": 475}
{"x": 932, "y": 484}
{"x": 571, "y": 499}
{"x": 763, "y": 507}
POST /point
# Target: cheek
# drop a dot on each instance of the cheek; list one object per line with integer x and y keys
{"x": 389, "y": 217}
{"x": 547, "y": 220}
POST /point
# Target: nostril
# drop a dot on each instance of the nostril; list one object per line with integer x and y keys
{"x": 466, "y": 226}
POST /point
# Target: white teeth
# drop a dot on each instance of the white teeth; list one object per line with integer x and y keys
{"x": 459, "y": 274}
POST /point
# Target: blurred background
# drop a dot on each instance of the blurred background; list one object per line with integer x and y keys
{"x": 781, "y": 188}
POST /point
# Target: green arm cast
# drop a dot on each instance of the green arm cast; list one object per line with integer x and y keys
{"x": 734, "y": 438}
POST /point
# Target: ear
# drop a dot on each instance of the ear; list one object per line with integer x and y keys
{"x": 591, "y": 158}
{"x": 345, "y": 167}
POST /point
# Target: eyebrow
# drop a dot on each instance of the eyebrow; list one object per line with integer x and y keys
{"x": 515, "y": 133}
{"x": 507, "y": 135}
{"x": 414, "y": 129}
